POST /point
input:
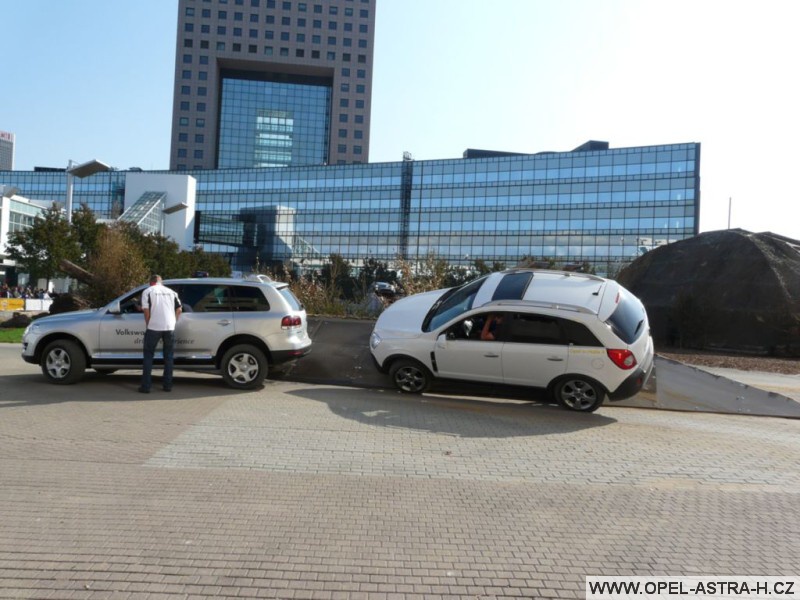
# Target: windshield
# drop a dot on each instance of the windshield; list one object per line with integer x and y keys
{"x": 453, "y": 303}
{"x": 628, "y": 318}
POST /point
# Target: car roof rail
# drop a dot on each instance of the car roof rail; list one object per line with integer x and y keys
{"x": 537, "y": 304}
{"x": 261, "y": 278}
{"x": 554, "y": 272}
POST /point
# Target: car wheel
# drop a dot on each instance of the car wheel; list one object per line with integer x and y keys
{"x": 244, "y": 367}
{"x": 579, "y": 394}
{"x": 410, "y": 376}
{"x": 63, "y": 362}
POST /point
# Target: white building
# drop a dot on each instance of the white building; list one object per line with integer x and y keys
{"x": 16, "y": 213}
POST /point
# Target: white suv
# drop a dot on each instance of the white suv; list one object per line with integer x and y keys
{"x": 579, "y": 336}
{"x": 237, "y": 327}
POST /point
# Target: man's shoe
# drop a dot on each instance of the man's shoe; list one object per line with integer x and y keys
{"x": 144, "y": 390}
{"x": 167, "y": 388}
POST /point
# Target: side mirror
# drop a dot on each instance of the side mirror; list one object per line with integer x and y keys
{"x": 115, "y": 309}
{"x": 441, "y": 341}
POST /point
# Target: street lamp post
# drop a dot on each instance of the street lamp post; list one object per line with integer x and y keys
{"x": 82, "y": 170}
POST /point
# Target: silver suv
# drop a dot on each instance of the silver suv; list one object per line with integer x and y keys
{"x": 236, "y": 327}
{"x": 581, "y": 337}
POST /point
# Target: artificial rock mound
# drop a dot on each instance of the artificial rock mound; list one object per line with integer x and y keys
{"x": 731, "y": 289}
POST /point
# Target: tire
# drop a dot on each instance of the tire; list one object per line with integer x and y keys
{"x": 410, "y": 376}
{"x": 244, "y": 367}
{"x": 578, "y": 393}
{"x": 63, "y": 362}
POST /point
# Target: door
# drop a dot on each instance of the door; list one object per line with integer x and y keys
{"x": 206, "y": 321}
{"x": 461, "y": 353}
{"x": 121, "y": 336}
{"x": 535, "y": 351}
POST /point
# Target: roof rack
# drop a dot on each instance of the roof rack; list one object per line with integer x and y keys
{"x": 536, "y": 304}
{"x": 258, "y": 277}
{"x": 554, "y": 272}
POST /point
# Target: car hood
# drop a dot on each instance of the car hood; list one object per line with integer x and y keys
{"x": 66, "y": 317}
{"x": 405, "y": 316}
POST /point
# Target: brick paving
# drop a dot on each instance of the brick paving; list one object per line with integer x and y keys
{"x": 303, "y": 491}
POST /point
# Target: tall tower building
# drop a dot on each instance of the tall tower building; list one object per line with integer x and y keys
{"x": 6, "y": 151}
{"x": 266, "y": 83}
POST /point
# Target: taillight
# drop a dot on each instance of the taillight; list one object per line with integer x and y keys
{"x": 289, "y": 321}
{"x": 624, "y": 359}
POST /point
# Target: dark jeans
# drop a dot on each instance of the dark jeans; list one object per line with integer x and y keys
{"x": 151, "y": 339}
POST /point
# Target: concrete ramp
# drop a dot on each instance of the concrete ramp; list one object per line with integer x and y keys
{"x": 341, "y": 356}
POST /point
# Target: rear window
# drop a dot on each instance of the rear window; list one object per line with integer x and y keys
{"x": 290, "y": 298}
{"x": 249, "y": 299}
{"x": 627, "y": 320}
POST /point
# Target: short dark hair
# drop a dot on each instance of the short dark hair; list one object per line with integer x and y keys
{"x": 155, "y": 278}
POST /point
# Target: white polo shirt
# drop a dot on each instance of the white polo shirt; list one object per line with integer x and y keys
{"x": 162, "y": 303}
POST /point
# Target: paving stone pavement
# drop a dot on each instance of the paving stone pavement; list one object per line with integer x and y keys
{"x": 308, "y": 491}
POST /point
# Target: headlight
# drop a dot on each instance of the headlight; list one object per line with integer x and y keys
{"x": 32, "y": 328}
{"x": 374, "y": 340}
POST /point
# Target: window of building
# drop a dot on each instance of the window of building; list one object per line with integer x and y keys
{"x": 237, "y": 16}
{"x": 300, "y": 38}
{"x": 348, "y": 12}
{"x": 202, "y": 91}
{"x": 316, "y": 39}
{"x": 348, "y": 27}
{"x": 360, "y": 88}
{"x": 362, "y": 44}
{"x": 318, "y": 8}
{"x": 202, "y": 75}
{"x": 205, "y": 28}
{"x": 222, "y": 14}
{"x": 252, "y": 33}
{"x": 284, "y": 36}
{"x": 345, "y": 87}
{"x": 286, "y": 21}
{"x": 315, "y": 54}
{"x": 332, "y": 25}
{"x": 237, "y": 32}
{"x": 333, "y": 10}
{"x": 347, "y": 41}
{"x": 362, "y": 58}
{"x": 252, "y": 48}
{"x": 359, "y": 104}
{"x": 356, "y": 149}
{"x": 221, "y": 30}
{"x": 331, "y": 40}
{"x": 183, "y": 121}
{"x": 343, "y": 133}
{"x": 186, "y": 74}
{"x": 181, "y": 152}
{"x": 269, "y": 34}
{"x": 359, "y": 118}
{"x": 188, "y": 27}
{"x": 204, "y": 44}
{"x": 254, "y": 18}
{"x": 301, "y": 22}
{"x": 201, "y": 107}
{"x": 358, "y": 134}
{"x": 203, "y": 60}
{"x": 183, "y": 137}
{"x": 317, "y": 24}
{"x": 363, "y": 28}
{"x": 254, "y": 3}
{"x": 341, "y": 148}
{"x": 270, "y": 3}
{"x": 363, "y": 13}
{"x": 268, "y": 50}
{"x": 270, "y": 19}
{"x": 189, "y": 11}
{"x": 346, "y": 57}
{"x": 302, "y": 6}
{"x": 199, "y": 123}
{"x": 198, "y": 154}
{"x": 286, "y": 6}
{"x": 299, "y": 53}
{"x": 237, "y": 47}
{"x": 187, "y": 58}
{"x": 284, "y": 52}
{"x": 344, "y": 102}
{"x": 184, "y": 105}
{"x": 199, "y": 138}
{"x": 345, "y": 71}
{"x": 206, "y": 13}
{"x": 331, "y": 56}
{"x": 220, "y": 46}
{"x": 361, "y": 74}
{"x": 343, "y": 117}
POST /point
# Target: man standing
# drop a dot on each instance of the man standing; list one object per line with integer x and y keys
{"x": 161, "y": 308}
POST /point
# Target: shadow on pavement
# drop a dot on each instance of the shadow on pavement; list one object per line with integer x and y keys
{"x": 462, "y": 417}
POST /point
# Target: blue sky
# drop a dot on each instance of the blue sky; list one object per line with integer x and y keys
{"x": 85, "y": 79}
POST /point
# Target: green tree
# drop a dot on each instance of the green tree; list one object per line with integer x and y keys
{"x": 116, "y": 267}
{"x": 87, "y": 232}
{"x": 41, "y": 247}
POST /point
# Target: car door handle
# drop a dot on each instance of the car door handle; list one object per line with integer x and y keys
{"x": 492, "y": 355}
{"x": 555, "y": 358}
{"x": 224, "y": 322}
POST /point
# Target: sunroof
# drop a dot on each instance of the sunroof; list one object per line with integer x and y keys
{"x": 512, "y": 286}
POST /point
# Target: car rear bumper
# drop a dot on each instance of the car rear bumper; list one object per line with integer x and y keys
{"x": 633, "y": 384}
{"x": 282, "y": 356}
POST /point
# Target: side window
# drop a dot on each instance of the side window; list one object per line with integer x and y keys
{"x": 248, "y": 299}
{"x": 536, "y": 329}
{"x": 578, "y": 334}
{"x": 205, "y": 298}
{"x": 132, "y": 304}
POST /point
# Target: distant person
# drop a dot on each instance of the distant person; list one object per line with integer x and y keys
{"x": 161, "y": 307}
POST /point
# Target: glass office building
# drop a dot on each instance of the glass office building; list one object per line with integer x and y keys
{"x": 601, "y": 206}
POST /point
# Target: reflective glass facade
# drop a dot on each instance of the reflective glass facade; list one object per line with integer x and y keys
{"x": 273, "y": 124}
{"x": 600, "y": 206}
